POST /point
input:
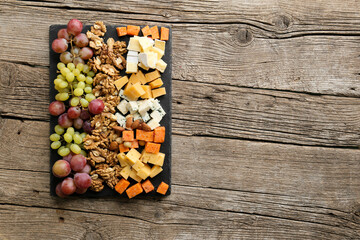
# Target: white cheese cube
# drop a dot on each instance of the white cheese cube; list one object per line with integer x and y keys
{"x": 143, "y": 58}
{"x": 156, "y": 116}
{"x": 123, "y": 107}
{"x": 146, "y": 117}
{"x": 144, "y": 107}
{"x": 160, "y": 44}
{"x": 143, "y": 66}
{"x": 136, "y": 116}
{"x": 161, "y": 111}
{"x": 132, "y": 59}
{"x": 160, "y": 53}
{"x": 155, "y": 104}
{"x": 120, "y": 119}
{"x": 145, "y": 43}
{"x": 134, "y": 45}
{"x": 132, "y": 106}
{"x": 161, "y": 65}
{"x": 132, "y": 53}
{"x": 131, "y": 67}
{"x": 152, "y": 59}
{"x": 153, "y": 124}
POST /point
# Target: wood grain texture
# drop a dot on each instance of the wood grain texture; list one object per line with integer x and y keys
{"x": 266, "y": 186}
{"x": 240, "y": 54}
{"x": 214, "y": 110}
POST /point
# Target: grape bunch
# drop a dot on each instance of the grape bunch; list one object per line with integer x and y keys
{"x": 72, "y": 34}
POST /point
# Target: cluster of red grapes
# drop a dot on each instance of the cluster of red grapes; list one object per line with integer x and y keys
{"x": 72, "y": 34}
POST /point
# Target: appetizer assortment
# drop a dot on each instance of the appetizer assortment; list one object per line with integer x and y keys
{"x": 109, "y": 128}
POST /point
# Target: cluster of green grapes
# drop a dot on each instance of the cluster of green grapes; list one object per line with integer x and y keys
{"x": 72, "y": 141}
{"x": 73, "y": 83}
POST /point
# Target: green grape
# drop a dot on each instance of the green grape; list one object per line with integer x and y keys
{"x": 83, "y": 135}
{"x": 64, "y": 71}
{"x": 55, "y": 145}
{"x": 81, "y": 85}
{"x": 74, "y": 84}
{"x": 86, "y": 68}
{"x": 81, "y": 78}
{"x": 63, "y": 84}
{"x": 68, "y": 137}
{"x": 63, "y": 152}
{"x": 70, "y": 77}
{"x": 60, "y": 77}
{"x": 78, "y": 92}
{"x": 64, "y": 90}
{"x": 57, "y": 97}
{"x": 62, "y": 147}
{"x": 71, "y": 66}
{"x": 60, "y": 65}
{"x": 70, "y": 130}
{"x": 59, "y": 129}
{"x": 76, "y": 72}
{"x": 77, "y": 139}
{"x": 83, "y": 153}
{"x": 54, "y": 137}
{"x": 57, "y": 81}
{"x": 84, "y": 103}
{"x": 75, "y": 148}
{"x": 91, "y": 74}
{"x": 89, "y": 80}
{"x": 57, "y": 88}
{"x": 68, "y": 145}
{"x": 74, "y": 101}
{"x": 63, "y": 96}
{"x": 88, "y": 89}
{"x": 80, "y": 66}
{"x": 89, "y": 97}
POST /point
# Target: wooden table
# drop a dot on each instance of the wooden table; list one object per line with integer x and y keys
{"x": 266, "y": 118}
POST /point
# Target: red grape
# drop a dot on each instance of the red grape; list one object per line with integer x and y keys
{"x": 61, "y": 168}
{"x": 81, "y": 40}
{"x": 75, "y": 50}
{"x": 56, "y": 108}
{"x": 74, "y": 112}
{"x": 68, "y": 157}
{"x": 78, "y": 123}
{"x": 96, "y": 106}
{"x": 81, "y": 190}
{"x": 87, "y": 127}
{"x": 59, "y": 45}
{"x": 78, "y": 60}
{"x": 78, "y": 162}
{"x": 68, "y": 186}
{"x": 58, "y": 191}
{"x": 64, "y": 121}
{"x": 86, "y": 169}
{"x": 62, "y": 33}
{"x": 66, "y": 57}
{"x": 84, "y": 115}
{"x": 74, "y": 27}
{"x": 86, "y": 53}
{"x": 82, "y": 180}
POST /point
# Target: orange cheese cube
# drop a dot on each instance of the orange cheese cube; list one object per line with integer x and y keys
{"x": 162, "y": 189}
{"x": 122, "y": 148}
{"x": 146, "y": 31}
{"x": 164, "y": 33}
{"x": 148, "y": 93}
{"x": 159, "y": 134}
{"x": 121, "y": 82}
{"x": 140, "y": 75}
{"x": 128, "y": 136}
{"x": 132, "y": 30}
{"x": 134, "y": 92}
{"x": 121, "y": 186}
{"x": 134, "y": 190}
{"x": 156, "y": 83}
{"x": 146, "y": 136}
{"x": 154, "y": 32}
{"x": 152, "y": 76}
{"x": 147, "y": 186}
{"x": 133, "y": 79}
{"x": 158, "y": 92}
{"x": 152, "y": 147}
{"x": 121, "y": 31}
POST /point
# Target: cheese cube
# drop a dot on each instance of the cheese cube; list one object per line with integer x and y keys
{"x": 138, "y": 164}
{"x": 120, "y": 119}
{"x": 152, "y": 59}
{"x": 121, "y": 82}
{"x": 140, "y": 75}
{"x": 148, "y": 93}
{"x": 121, "y": 94}
{"x": 161, "y": 65}
{"x": 158, "y": 160}
{"x": 144, "y": 172}
{"x": 132, "y": 106}
{"x": 155, "y": 170}
{"x": 145, "y": 43}
{"x": 136, "y": 116}
{"x": 132, "y": 59}
{"x": 153, "y": 124}
{"x": 146, "y": 157}
{"x": 160, "y": 53}
{"x": 131, "y": 67}
{"x": 143, "y": 58}
{"x": 152, "y": 76}
{"x": 158, "y": 92}
{"x": 132, "y": 156}
{"x": 156, "y": 83}
{"x": 123, "y": 107}
{"x": 133, "y": 175}
{"x": 125, "y": 172}
{"x": 134, "y": 92}
{"x": 146, "y": 117}
{"x": 133, "y": 79}
{"x": 160, "y": 44}
{"x": 122, "y": 159}
{"x": 134, "y": 45}
{"x": 156, "y": 116}
{"x": 143, "y": 66}
{"x": 144, "y": 107}
{"x": 132, "y": 53}
{"x": 161, "y": 111}
{"x": 155, "y": 104}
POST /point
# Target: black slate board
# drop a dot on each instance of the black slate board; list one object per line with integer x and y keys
{"x": 165, "y": 102}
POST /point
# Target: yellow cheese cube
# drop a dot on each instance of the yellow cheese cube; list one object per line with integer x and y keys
{"x": 121, "y": 82}
{"x": 143, "y": 66}
{"x": 140, "y": 75}
{"x": 122, "y": 159}
{"x": 160, "y": 53}
{"x": 158, "y": 92}
{"x": 161, "y": 65}
{"x": 152, "y": 76}
{"x": 148, "y": 157}
{"x": 144, "y": 172}
{"x": 160, "y": 44}
{"x": 134, "y": 44}
{"x": 131, "y": 67}
{"x": 138, "y": 164}
{"x": 125, "y": 172}
{"x": 158, "y": 160}
{"x": 133, "y": 79}
{"x": 155, "y": 170}
{"x": 132, "y": 156}
{"x": 156, "y": 83}
{"x": 133, "y": 175}
{"x": 147, "y": 90}
{"x": 145, "y": 43}
{"x": 134, "y": 92}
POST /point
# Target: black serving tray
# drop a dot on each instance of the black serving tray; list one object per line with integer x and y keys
{"x": 165, "y": 102}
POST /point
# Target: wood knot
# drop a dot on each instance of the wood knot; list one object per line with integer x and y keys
{"x": 244, "y": 36}
{"x": 282, "y": 22}
{"x": 166, "y": 14}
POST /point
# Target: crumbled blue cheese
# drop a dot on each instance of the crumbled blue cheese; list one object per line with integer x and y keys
{"x": 132, "y": 107}
{"x": 123, "y": 107}
{"x": 146, "y": 117}
{"x": 156, "y": 116}
{"x": 120, "y": 119}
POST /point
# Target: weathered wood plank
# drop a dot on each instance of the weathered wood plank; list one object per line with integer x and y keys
{"x": 233, "y": 54}
{"x": 206, "y": 109}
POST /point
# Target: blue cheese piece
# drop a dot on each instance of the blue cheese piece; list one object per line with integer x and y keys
{"x": 136, "y": 116}
{"x": 144, "y": 107}
{"x": 146, "y": 117}
{"x": 155, "y": 104}
{"x": 120, "y": 119}
{"x": 155, "y": 115}
{"x": 132, "y": 106}
{"x": 123, "y": 107}
{"x": 121, "y": 94}
{"x": 153, "y": 124}
{"x": 161, "y": 111}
